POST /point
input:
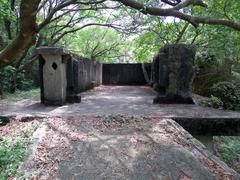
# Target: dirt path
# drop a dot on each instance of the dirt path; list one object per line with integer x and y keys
{"x": 105, "y": 100}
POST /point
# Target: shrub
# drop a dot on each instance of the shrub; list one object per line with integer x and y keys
{"x": 7, "y": 80}
{"x": 216, "y": 102}
{"x": 202, "y": 84}
{"x": 205, "y": 63}
{"x": 13, "y": 149}
{"x": 11, "y": 155}
{"x": 228, "y": 93}
{"x": 228, "y": 149}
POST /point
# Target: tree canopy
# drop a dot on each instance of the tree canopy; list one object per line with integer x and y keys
{"x": 60, "y": 17}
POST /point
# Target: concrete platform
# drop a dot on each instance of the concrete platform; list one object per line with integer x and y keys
{"x": 105, "y": 100}
{"x": 121, "y": 147}
{"x": 89, "y": 139}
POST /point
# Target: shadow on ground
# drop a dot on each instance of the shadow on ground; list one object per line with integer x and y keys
{"x": 123, "y": 147}
{"x": 106, "y": 100}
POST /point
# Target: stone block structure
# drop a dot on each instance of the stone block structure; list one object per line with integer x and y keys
{"x": 63, "y": 75}
{"x": 172, "y": 73}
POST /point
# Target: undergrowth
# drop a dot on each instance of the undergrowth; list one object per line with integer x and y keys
{"x": 228, "y": 149}
{"x": 12, "y": 153}
{"x": 20, "y": 95}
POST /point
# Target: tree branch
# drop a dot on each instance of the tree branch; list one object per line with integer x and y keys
{"x": 194, "y": 20}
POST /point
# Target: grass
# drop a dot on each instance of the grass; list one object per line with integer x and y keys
{"x": 20, "y": 95}
{"x": 12, "y": 153}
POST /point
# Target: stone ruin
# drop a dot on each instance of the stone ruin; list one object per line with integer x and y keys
{"x": 63, "y": 75}
{"x": 173, "y": 73}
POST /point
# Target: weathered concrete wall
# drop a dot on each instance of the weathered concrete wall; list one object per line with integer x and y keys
{"x": 64, "y": 75}
{"x": 53, "y": 76}
{"x": 86, "y": 74}
{"x": 54, "y": 79}
{"x": 124, "y": 74}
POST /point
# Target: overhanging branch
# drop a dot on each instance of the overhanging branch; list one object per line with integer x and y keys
{"x": 195, "y": 20}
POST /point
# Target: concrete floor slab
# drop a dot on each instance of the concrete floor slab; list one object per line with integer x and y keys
{"x": 122, "y": 147}
{"x": 105, "y": 100}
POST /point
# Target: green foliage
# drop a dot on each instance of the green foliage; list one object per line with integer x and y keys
{"x": 226, "y": 94}
{"x": 5, "y": 10}
{"x": 148, "y": 43}
{"x": 146, "y": 47}
{"x": 229, "y": 150}
{"x": 97, "y": 43}
{"x": 216, "y": 102}
{"x": 11, "y": 155}
{"x": 205, "y": 63}
{"x": 10, "y": 81}
{"x": 22, "y": 83}
{"x": 12, "y": 152}
{"x": 6, "y": 78}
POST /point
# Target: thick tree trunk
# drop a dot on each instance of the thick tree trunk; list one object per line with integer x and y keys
{"x": 26, "y": 36}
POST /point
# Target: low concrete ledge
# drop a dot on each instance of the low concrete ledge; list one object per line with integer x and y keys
{"x": 51, "y": 50}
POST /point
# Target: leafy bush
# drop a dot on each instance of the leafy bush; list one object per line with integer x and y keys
{"x": 22, "y": 83}
{"x": 216, "y": 102}
{"x": 12, "y": 152}
{"x": 7, "y": 80}
{"x": 228, "y": 93}
{"x": 11, "y": 155}
{"x": 202, "y": 84}
{"x": 205, "y": 63}
{"x": 228, "y": 149}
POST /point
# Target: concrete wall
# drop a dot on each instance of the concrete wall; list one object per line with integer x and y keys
{"x": 124, "y": 74}
{"x": 80, "y": 74}
{"x": 74, "y": 74}
{"x": 54, "y": 79}
{"x": 83, "y": 74}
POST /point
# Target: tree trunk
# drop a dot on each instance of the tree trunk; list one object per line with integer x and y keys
{"x": 26, "y": 36}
